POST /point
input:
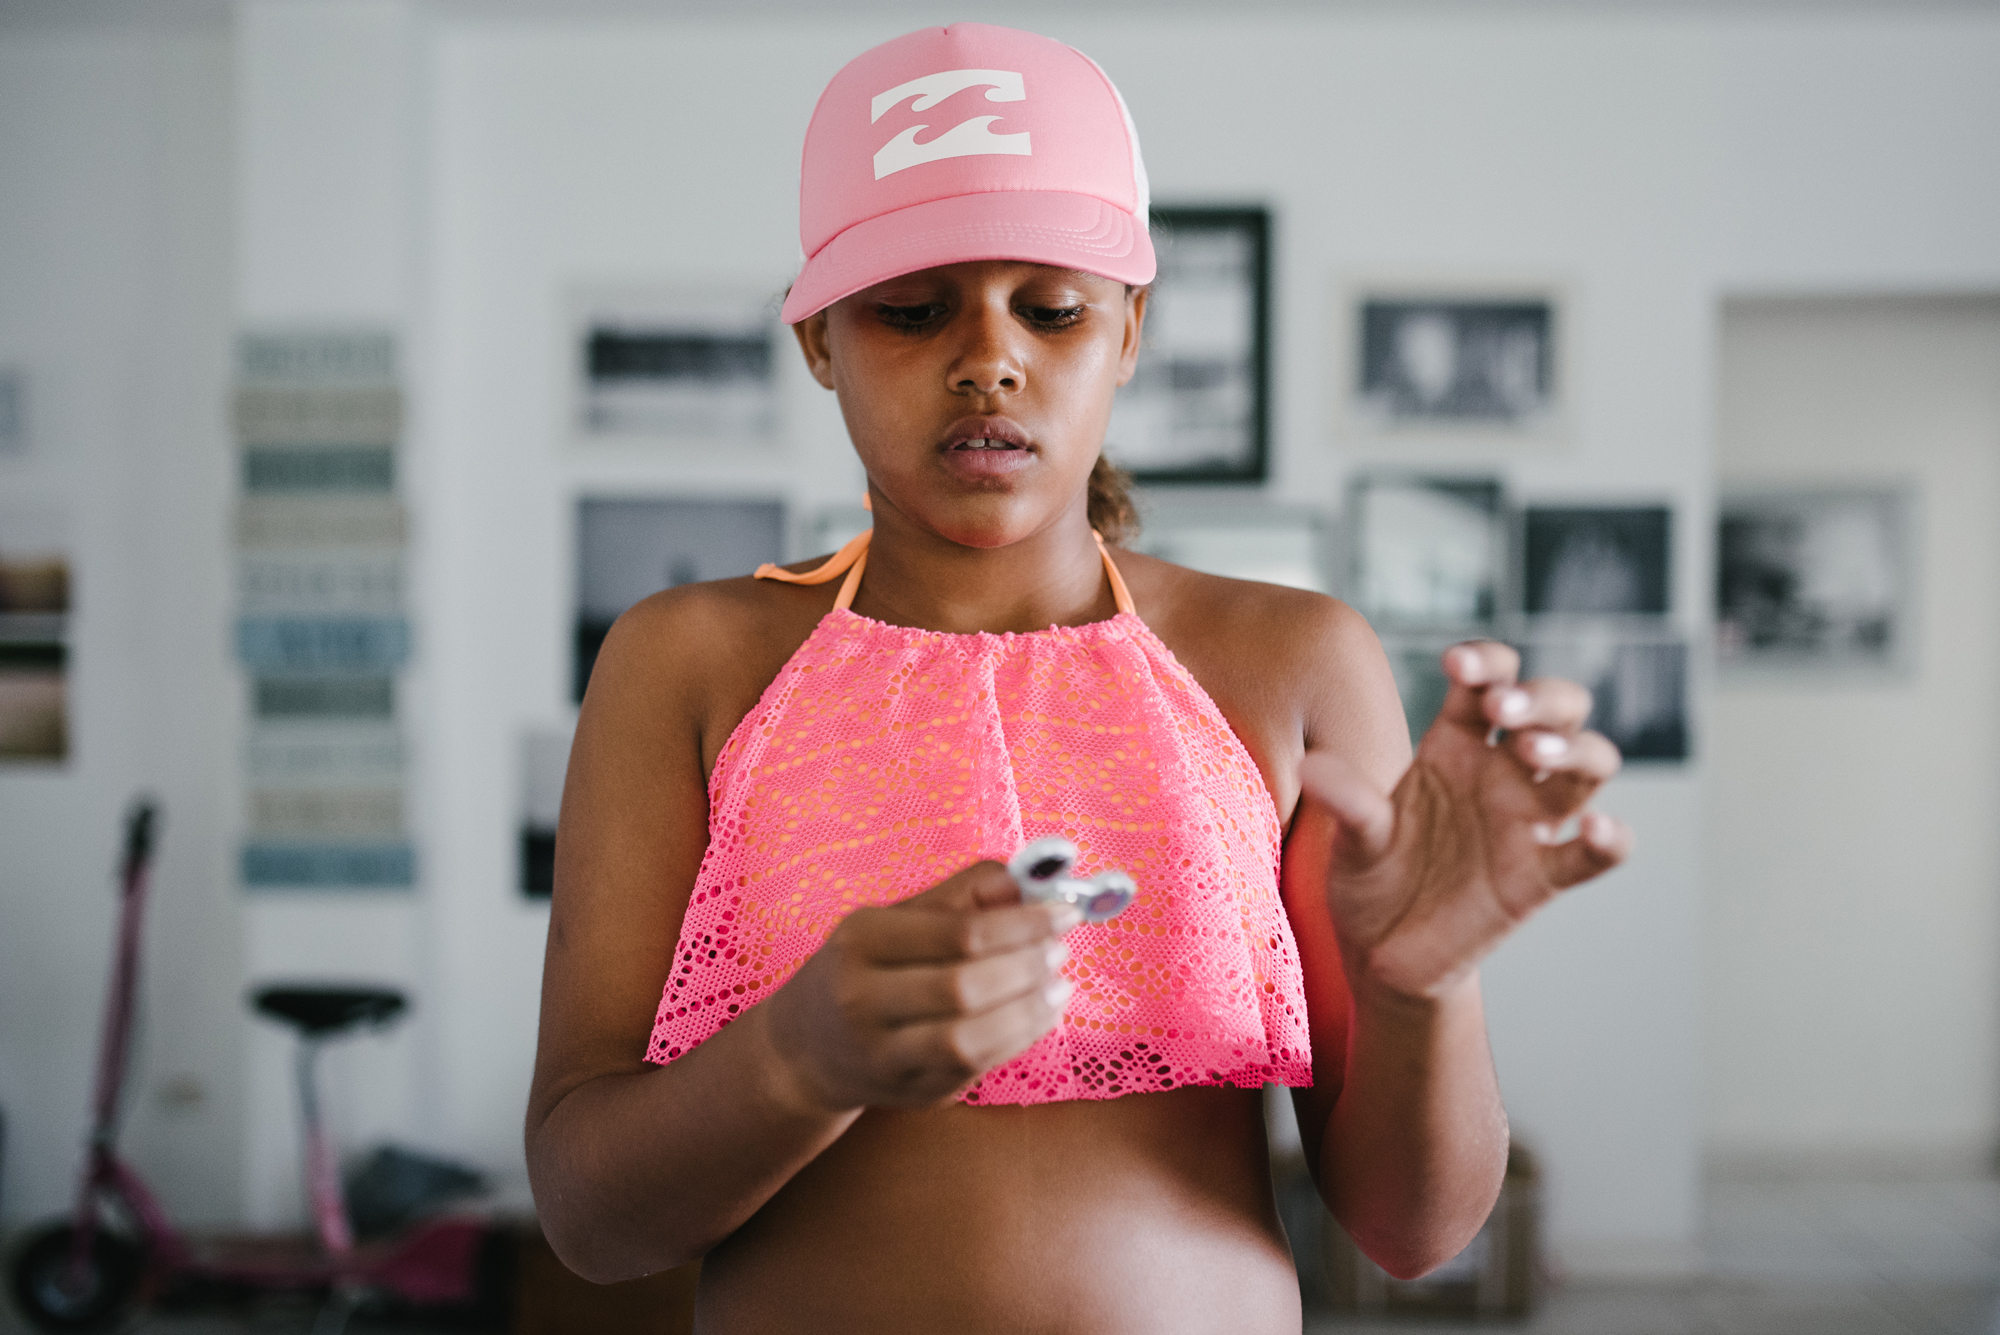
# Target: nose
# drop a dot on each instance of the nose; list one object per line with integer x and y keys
{"x": 989, "y": 358}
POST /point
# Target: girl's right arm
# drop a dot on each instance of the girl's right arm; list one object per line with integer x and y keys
{"x": 636, "y": 1168}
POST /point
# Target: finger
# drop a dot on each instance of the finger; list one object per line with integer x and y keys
{"x": 936, "y": 992}
{"x": 983, "y": 1041}
{"x": 1589, "y": 758}
{"x": 1601, "y": 843}
{"x": 983, "y": 885}
{"x": 1546, "y": 702}
{"x": 1366, "y": 815}
{"x": 902, "y": 935}
{"x": 1474, "y": 669}
{"x": 932, "y": 1059}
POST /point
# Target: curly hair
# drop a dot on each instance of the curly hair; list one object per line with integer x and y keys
{"x": 1112, "y": 512}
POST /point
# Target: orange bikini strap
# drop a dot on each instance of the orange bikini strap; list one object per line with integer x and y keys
{"x": 1120, "y": 595}
{"x": 829, "y": 569}
{"x": 853, "y": 559}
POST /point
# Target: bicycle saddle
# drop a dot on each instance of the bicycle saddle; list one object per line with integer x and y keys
{"x": 318, "y": 1011}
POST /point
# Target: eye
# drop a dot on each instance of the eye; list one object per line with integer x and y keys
{"x": 1052, "y": 317}
{"x": 910, "y": 317}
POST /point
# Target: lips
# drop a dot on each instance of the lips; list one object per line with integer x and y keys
{"x": 986, "y": 448}
{"x": 986, "y": 433}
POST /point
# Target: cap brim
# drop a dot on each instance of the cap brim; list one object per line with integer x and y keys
{"x": 1039, "y": 226}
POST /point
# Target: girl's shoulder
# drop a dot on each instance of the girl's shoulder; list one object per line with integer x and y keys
{"x": 701, "y": 654}
{"x": 1273, "y": 628}
{"x": 1292, "y": 670}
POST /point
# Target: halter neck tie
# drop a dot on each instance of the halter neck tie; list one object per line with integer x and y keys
{"x": 852, "y": 559}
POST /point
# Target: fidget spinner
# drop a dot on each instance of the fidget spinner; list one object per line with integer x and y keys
{"x": 1041, "y": 869}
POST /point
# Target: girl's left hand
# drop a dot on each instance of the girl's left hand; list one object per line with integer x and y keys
{"x": 1428, "y": 879}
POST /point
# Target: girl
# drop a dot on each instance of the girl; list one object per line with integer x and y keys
{"x": 796, "y": 1017}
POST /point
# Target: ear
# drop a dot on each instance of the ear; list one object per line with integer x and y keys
{"x": 1135, "y": 323}
{"x": 811, "y": 333}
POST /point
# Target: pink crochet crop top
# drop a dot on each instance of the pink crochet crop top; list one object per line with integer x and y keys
{"x": 882, "y": 759}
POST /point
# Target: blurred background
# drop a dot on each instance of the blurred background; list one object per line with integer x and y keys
{"x": 360, "y": 360}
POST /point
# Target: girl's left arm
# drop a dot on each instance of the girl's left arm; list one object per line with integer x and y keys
{"x": 1400, "y": 874}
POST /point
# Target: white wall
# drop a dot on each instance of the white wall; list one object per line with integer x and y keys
{"x": 327, "y": 199}
{"x": 1630, "y": 159}
{"x": 1385, "y": 147}
{"x": 114, "y": 246}
{"x": 1853, "y": 859}
{"x": 462, "y": 176}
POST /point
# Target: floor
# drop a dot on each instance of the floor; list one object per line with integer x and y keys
{"x": 1800, "y": 1258}
{"x": 1818, "y": 1257}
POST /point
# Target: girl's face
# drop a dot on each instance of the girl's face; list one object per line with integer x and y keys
{"x": 977, "y": 394}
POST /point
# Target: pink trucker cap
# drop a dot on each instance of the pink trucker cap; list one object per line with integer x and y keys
{"x": 967, "y": 143}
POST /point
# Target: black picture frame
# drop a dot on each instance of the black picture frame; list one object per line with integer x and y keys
{"x": 1817, "y": 578}
{"x": 1457, "y": 361}
{"x": 1184, "y": 421}
{"x": 1638, "y": 686}
{"x": 1428, "y": 552}
{"x": 1597, "y": 560}
{"x": 631, "y": 546}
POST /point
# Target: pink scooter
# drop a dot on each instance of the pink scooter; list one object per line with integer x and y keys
{"x": 89, "y": 1273}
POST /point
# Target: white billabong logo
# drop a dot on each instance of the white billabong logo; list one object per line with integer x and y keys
{"x": 967, "y": 138}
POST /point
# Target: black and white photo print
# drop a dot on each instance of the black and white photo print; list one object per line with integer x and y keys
{"x": 1421, "y": 685}
{"x": 1814, "y": 578}
{"x": 685, "y": 365}
{"x": 629, "y": 548}
{"x": 1639, "y": 687}
{"x": 1456, "y": 363}
{"x": 1196, "y": 409}
{"x": 1597, "y": 560}
{"x": 1426, "y": 551}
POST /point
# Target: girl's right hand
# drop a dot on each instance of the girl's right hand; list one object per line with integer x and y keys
{"x": 906, "y": 1005}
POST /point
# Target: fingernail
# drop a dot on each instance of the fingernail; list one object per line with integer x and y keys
{"x": 1597, "y": 829}
{"x": 1548, "y": 746}
{"x": 1066, "y": 917}
{"x": 1057, "y": 954}
{"x": 1468, "y": 664}
{"x": 1513, "y": 706}
{"x": 1058, "y": 992}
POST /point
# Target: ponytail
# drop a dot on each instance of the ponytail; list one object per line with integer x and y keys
{"x": 1112, "y": 512}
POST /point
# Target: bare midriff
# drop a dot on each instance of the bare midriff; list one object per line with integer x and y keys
{"x": 1149, "y": 1213}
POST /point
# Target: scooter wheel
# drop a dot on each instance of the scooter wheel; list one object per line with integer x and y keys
{"x": 96, "y": 1297}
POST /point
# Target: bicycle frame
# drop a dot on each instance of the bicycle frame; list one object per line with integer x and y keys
{"x": 102, "y": 1167}
{"x": 433, "y": 1264}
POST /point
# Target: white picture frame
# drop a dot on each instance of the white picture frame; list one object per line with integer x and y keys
{"x": 1454, "y": 361}
{"x": 666, "y": 365}
{"x": 1816, "y": 579}
{"x": 1427, "y": 552}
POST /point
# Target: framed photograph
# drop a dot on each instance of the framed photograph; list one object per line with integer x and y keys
{"x": 677, "y": 365}
{"x": 544, "y": 765}
{"x": 1596, "y": 560}
{"x": 1418, "y": 665}
{"x": 1198, "y": 407}
{"x": 630, "y": 548}
{"x": 1427, "y": 552}
{"x": 1455, "y": 361}
{"x": 35, "y": 590}
{"x": 1639, "y": 686}
{"x": 34, "y": 708}
{"x": 1270, "y": 544}
{"x": 1815, "y": 579}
